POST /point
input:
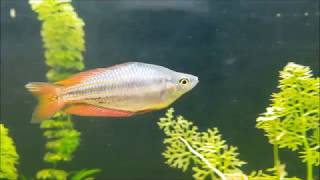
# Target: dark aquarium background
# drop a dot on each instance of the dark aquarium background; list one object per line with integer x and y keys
{"x": 236, "y": 48}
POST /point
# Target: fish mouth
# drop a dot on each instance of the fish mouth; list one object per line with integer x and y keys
{"x": 195, "y": 81}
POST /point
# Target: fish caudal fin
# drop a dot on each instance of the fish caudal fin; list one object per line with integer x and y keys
{"x": 49, "y": 100}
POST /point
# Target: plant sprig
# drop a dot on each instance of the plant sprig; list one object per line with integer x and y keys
{"x": 292, "y": 119}
{"x": 8, "y": 155}
{"x": 206, "y": 151}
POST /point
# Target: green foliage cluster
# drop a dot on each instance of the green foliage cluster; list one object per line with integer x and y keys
{"x": 63, "y": 37}
{"x": 8, "y": 155}
{"x": 292, "y": 120}
{"x": 214, "y": 154}
{"x": 207, "y": 152}
{"x": 63, "y": 139}
{"x": 52, "y": 174}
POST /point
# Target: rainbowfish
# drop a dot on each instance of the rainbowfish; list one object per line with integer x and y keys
{"x": 118, "y": 91}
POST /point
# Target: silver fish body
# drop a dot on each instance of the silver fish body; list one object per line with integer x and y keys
{"x": 130, "y": 87}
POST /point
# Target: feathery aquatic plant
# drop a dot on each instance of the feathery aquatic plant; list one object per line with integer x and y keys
{"x": 8, "y": 155}
{"x": 206, "y": 151}
{"x": 63, "y": 139}
{"x": 292, "y": 120}
{"x": 63, "y": 37}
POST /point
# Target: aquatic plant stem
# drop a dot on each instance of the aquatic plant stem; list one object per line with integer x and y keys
{"x": 219, "y": 173}
{"x": 276, "y": 160}
{"x": 307, "y": 147}
{"x": 309, "y": 163}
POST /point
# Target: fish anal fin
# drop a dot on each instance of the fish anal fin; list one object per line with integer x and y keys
{"x": 90, "y": 110}
{"x": 143, "y": 112}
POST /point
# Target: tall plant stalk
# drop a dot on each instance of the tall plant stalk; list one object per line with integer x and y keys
{"x": 276, "y": 161}
{"x": 309, "y": 165}
{"x": 63, "y": 37}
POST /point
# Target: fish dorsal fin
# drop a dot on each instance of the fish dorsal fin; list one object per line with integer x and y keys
{"x": 74, "y": 79}
{"x": 77, "y": 78}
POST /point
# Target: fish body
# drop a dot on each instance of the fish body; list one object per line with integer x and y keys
{"x": 121, "y": 90}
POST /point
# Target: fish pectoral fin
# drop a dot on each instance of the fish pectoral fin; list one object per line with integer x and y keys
{"x": 91, "y": 110}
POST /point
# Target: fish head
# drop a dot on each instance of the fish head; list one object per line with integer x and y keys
{"x": 176, "y": 85}
{"x": 184, "y": 82}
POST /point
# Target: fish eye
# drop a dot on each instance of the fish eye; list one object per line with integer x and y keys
{"x": 184, "y": 81}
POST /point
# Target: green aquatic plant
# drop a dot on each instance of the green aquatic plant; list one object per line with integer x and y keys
{"x": 292, "y": 119}
{"x": 63, "y": 139}
{"x": 62, "y": 142}
{"x": 52, "y": 174}
{"x": 63, "y": 38}
{"x": 206, "y": 151}
{"x": 8, "y": 155}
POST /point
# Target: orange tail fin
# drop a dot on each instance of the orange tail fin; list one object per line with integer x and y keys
{"x": 49, "y": 100}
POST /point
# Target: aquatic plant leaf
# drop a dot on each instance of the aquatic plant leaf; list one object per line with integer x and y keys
{"x": 56, "y": 124}
{"x": 311, "y": 155}
{"x": 8, "y": 155}
{"x": 56, "y": 74}
{"x": 270, "y": 174}
{"x": 202, "y": 173}
{"x": 236, "y": 176}
{"x": 209, "y": 144}
{"x": 219, "y": 154}
{"x": 63, "y": 138}
{"x": 52, "y": 174}
{"x": 84, "y": 174}
{"x": 292, "y": 121}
